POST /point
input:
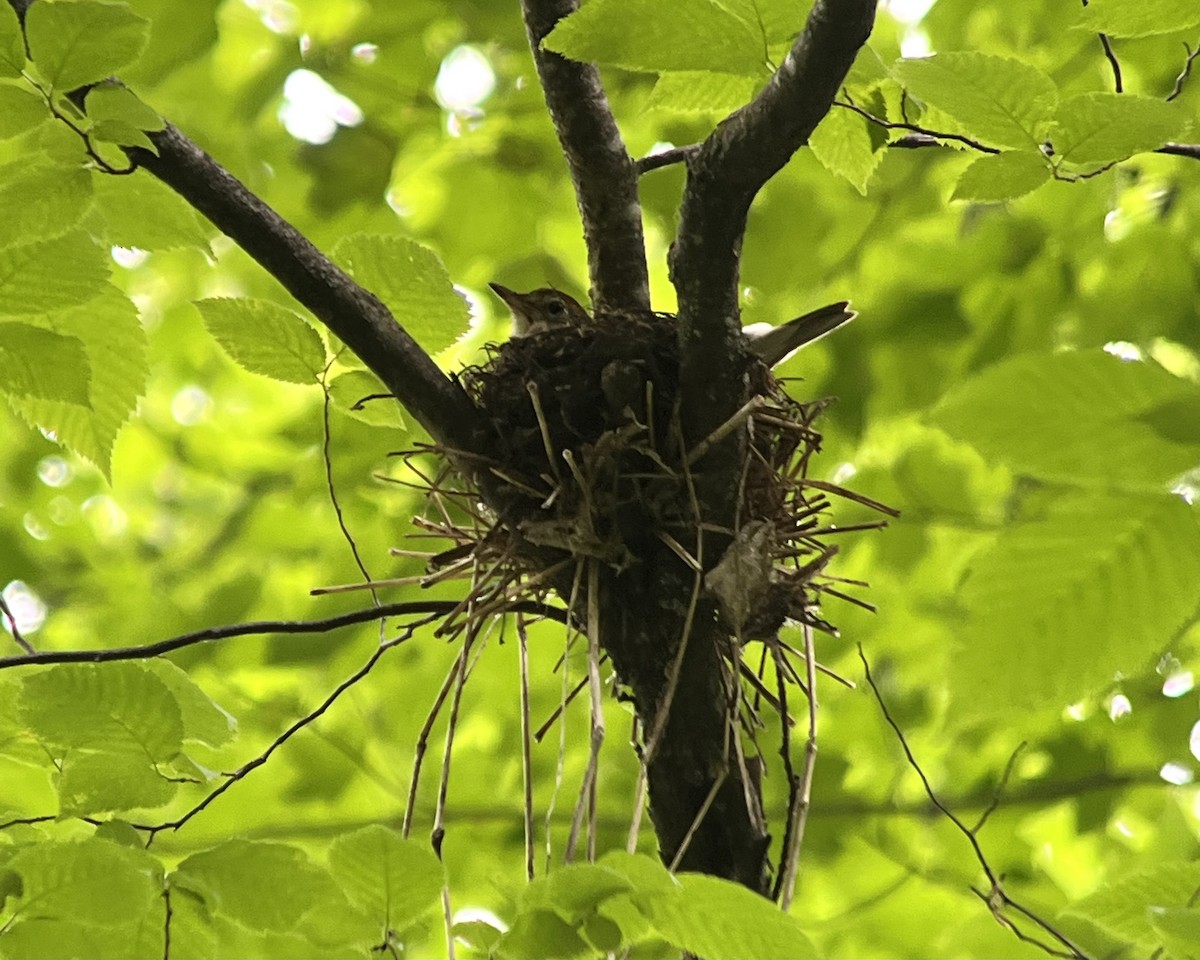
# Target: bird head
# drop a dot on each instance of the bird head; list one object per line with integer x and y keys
{"x": 540, "y": 309}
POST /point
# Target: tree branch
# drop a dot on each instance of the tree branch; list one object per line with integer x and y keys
{"x": 353, "y": 314}
{"x": 604, "y": 175}
{"x": 734, "y": 163}
{"x": 261, "y": 627}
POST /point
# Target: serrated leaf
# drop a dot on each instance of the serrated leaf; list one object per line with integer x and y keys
{"x": 774, "y": 21}
{"x": 1122, "y": 908}
{"x": 1145, "y": 18}
{"x": 32, "y": 278}
{"x": 667, "y": 35}
{"x": 350, "y": 392}
{"x": 203, "y": 719}
{"x": 719, "y": 919}
{"x": 123, "y": 134}
{"x": 115, "y": 343}
{"x": 1059, "y": 605}
{"x": 1002, "y": 176}
{"x": 1004, "y": 102}
{"x": 112, "y": 726}
{"x": 392, "y": 879}
{"x": 1072, "y": 417}
{"x": 12, "y": 43}
{"x": 1100, "y": 127}
{"x": 94, "y": 781}
{"x": 265, "y": 338}
{"x": 867, "y": 73}
{"x": 41, "y": 200}
{"x": 112, "y": 101}
{"x": 842, "y": 144}
{"x": 1178, "y": 928}
{"x": 262, "y": 886}
{"x": 140, "y": 211}
{"x": 20, "y": 110}
{"x": 701, "y": 92}
{"x": 92, "y": 881}
{"x": 412, "y": 282}
{"x": 76, "y": 42}
{"x": 574, "y": 891}
{"x": 536, "y": 934}
{"x": 40, "y": 363}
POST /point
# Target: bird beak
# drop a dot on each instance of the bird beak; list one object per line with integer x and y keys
{"x": 516, "y": 305}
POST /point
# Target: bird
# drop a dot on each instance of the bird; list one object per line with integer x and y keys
{"x": 546, "y": 308}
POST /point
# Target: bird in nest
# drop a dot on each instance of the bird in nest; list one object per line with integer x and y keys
{"x": 546, "y": 308}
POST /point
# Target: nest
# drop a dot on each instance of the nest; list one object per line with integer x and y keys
{"x": 589, "y": 464}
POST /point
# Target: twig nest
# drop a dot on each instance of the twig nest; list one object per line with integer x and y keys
{"x": 589, "y": 464}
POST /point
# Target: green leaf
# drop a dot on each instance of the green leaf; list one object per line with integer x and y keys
{"x": 12, "y": 43}
{"x": 1090, "y": 590}
{"x": 537, "y": 934}
{"x": 412, "y": 282}
{"x": 115, "y": 342}
{"x": 867, "y": 73}
{"x": 667, "y": 35}
{"x": 1004, "y": 102}
{"x": 1100, "y": 127}
{"x": 701, "y": 92}
{"x": 1178, "y": 928}
{"x": 393, "y": 880}
{"x": 41, "y": 200}
{"x": 263, "y": 886}
{"x": 1124, "y": 908}
{"x": 842, "y": 144}
{"x": 141, "y": 212}
{"x": 574, "y": 891}
{"x": 1073, "y": 417}
{"x": 93, "y": 881}
{"x": 20, "y": 110}
{"x": 76, "y": 42}
{"x": 265, "y": 338}
{"x": 477, "y": 935}
{"x": 719, "y": 919}
{"x": 113, "y": 725}
{"x": 32, "y": 279}
{"x": 1145, "y": 18}
{"x": 40, "y": 363}
{"x": 203, "y": 720}
{"x": 112, "y": 101}
{"x": 123, "y": 134}
{"x": 1002, "y": 176}
{"x": 349, "y": 391}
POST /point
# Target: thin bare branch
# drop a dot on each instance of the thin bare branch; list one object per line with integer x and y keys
{"x": 259, "y": 627}
{"x": 995, "y": 897}
{"x": 1185, "y": 72}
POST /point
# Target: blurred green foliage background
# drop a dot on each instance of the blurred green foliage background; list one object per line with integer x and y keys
{"x": 1040, "y": 587}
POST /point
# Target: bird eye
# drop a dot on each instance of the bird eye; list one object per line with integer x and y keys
{"x": 556, "y": 308}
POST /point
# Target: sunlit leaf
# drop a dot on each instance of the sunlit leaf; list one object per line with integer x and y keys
{"x": 1002, "y": 176}
{"x": 669, "y": 35}
{"x": 265, "y": 338}
{"x": 1142, "y": 19}
{"x": 1099, "y": 127}
{"x": 74, "y": 42}
{"x": 1002, "y": 101}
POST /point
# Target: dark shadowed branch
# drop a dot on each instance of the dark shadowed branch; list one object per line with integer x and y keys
{"x": 604, "y": 175}
{"x": 732, "y": 165}
{"x": 261, "y": 628}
